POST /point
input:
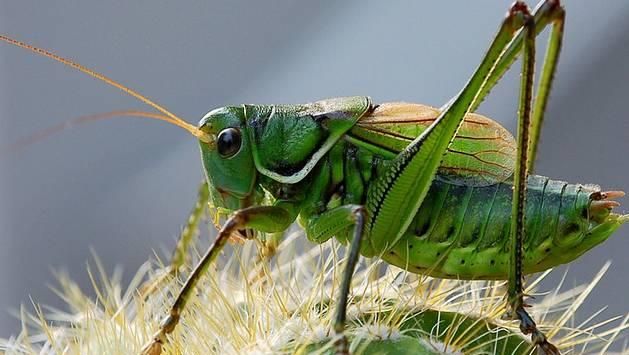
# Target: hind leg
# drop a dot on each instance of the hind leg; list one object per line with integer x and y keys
{"x": 528, "y": 136}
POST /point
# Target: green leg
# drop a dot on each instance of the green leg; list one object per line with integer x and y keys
{"x": 520, "y": 174}
{"x": 558, "y": 17}
{"x": 262, "y": 218}
{"x": 547, "y": 12}
{"x": 525, "y": 156}
{"x": 395, "y": 197}
{"x": 323, "y": 227}
{"x": 358, "y": 216}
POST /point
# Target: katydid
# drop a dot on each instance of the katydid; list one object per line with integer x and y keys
{"x": 440, "y": 192}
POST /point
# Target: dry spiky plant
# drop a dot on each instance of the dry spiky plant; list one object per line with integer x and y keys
{"x": 282, "y": 307}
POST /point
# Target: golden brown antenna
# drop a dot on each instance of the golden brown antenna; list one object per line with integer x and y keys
{"x": 168, "y": 116}
{"x": 47, "y": 132}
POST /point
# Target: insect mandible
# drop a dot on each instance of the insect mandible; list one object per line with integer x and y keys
{"x": 386, "y": 180}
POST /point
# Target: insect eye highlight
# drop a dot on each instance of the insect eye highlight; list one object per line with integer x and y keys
{"x": 228, "y": 142}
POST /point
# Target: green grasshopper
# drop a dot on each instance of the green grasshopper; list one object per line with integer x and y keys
{"x": 439, "y": 192}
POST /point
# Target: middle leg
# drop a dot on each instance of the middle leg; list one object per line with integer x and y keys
{"x": 321, "y": 228}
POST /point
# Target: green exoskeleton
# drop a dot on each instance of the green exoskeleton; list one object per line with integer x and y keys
{"x": 440, "y": 192}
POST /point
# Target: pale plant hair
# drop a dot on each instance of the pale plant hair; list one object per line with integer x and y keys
{"x": 248, "y": 307}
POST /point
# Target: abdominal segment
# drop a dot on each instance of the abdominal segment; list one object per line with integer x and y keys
{"x": 464, "y": 231}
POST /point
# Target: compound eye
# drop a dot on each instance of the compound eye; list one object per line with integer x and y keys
{"x": 228, "y": 142}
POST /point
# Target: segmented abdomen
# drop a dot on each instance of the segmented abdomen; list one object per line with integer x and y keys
{"x": 463, "y": 231}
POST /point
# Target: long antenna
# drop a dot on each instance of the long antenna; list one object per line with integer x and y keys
{"x": 67, "y": 124}
{"x": 168, "y": 116}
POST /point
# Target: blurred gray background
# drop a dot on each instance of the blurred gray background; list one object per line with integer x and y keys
{"x": 124, "y": 187}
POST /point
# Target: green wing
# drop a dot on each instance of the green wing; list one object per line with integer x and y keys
{"x": 482, "y": 153}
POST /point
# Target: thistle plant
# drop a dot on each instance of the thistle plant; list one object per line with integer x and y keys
{"x": 285, "y": 306}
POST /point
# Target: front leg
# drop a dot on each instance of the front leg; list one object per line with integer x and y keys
{"x": 262, "y": 218}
